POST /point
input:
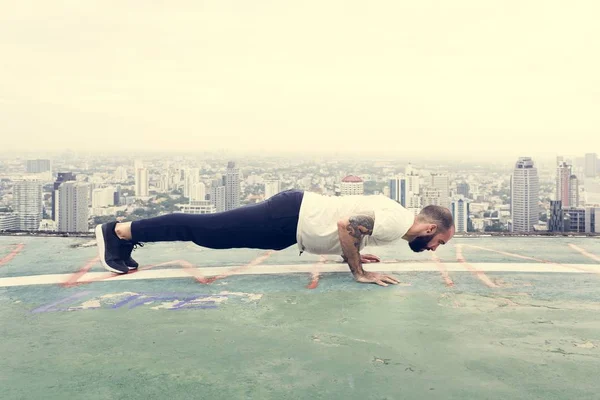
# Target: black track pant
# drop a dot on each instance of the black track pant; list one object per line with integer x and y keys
{"x": 269, "y": 225}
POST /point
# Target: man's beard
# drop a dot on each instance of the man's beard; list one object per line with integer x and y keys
{"x": 420, "y": 243}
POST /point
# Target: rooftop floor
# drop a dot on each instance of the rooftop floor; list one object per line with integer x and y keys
{"x": 492, "y": 318}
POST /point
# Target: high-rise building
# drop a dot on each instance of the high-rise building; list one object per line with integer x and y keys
{"x": 218, "y": 194}
{"x": 555, "y": 221}
{"x": 563, "y": 187}
{"x": 72, "y": 207}
{"x": 272, "y": 187}
{"x": 192, "y": 177}
{"x": 198, "y": 192}
{"x": 352, "y": 185}
{"x": 121, "y": 174}
{"x": 38, "y": 166}
{"x": 431, "y": 196}
{"x": 573, "y": 191}
{"x": 141, "y": 179}
{"x": 398, "y": 190}
{"x": 9, "y": 222}
{"x": 441, "y": 182}
{"x": 592, "y": 219}
{"x": 574, "y": 219}
{"x": 28, "y": 205}
{"x": 524, "y": 196}
{"x": 103, "y": 197}
{"x": 460, "y": 213}
{"x": 61, "y": 177}
{"x": 117, "y": 196}
{"x": 591, "y": 165}
{"x": 405, "y": 190}
{"x": 232, "y": 186}
{"x": 462, "y": 189}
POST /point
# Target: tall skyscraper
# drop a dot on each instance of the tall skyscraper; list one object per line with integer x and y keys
{"x": 441, "y": 182}
{"x": 460, "y": 213}
{"x": 61, "y": 177}
{"x": 72, "y": 207}
{"x": 232, "y": 186}
{"x": 218, "y": 194}
{"x": 352, "y": 185}
{"x": 591, "y": 165}
{"x": 38, "y": 166}
{"x": 431, "y": 196}
{"x": 121, "y": 174}
{"x": 563, "y": 187}
{"x": 28, "y": 204}
{"x": 524, "y": 196}
{"x": 198, "y": 192}
{"x": 398, "y": 190}
{"x": 406, "y": 190}
{"x": 555, "y": 221}
{"x": 103, "y": 197}
{"x": 192, "y": 177}
{"x": 272, "y": 187}
{"x": 573, "y": 191}
{"x": 141, "y": 179}
{"x": 413, "y": 183}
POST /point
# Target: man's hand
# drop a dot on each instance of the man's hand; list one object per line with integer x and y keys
{"x": 374, "y": 277}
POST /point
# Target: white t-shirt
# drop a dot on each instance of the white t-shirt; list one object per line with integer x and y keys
{"x": 317, "y": 231}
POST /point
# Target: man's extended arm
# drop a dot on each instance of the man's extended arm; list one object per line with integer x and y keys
{"x": 351, "y": 232}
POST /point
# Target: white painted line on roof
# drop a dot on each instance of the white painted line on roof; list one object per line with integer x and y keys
{"x": 302, "y": 268}
{"x": 584, "y": 252}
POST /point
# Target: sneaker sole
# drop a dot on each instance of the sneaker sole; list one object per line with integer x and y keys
{"x": 100, "y": 242}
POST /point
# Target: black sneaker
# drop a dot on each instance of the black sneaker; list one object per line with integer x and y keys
{"x": 109, "y": 248}
{"x": 126, "y": 248}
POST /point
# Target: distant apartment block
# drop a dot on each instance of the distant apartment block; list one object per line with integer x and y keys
{"x": 72, "y": 207}
{"x": 9, "y": 222}
{"x": 198, "y": 207}
{"x": 232, "y": 186}
{"x": 272, "y": 187}
{"x": 141, "y": 180}
{"x": 460, "y": 213}
{"x": 27, "y": 199}
{"x": 352, "y": 185}
{"x": 38, "y": 166}
{"x": 524, "y": 198}
{"x": 442, "y": 184}
{"x": 61, "y": 177}
{"x": 591, "y": 165}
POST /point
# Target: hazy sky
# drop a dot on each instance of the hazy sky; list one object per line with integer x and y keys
{"x": 407, "y": 76}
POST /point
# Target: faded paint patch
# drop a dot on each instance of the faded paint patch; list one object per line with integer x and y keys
{"x": 586, "y": 345}
{"x": 248, "y": 296}
{"x": 130, "y": 300}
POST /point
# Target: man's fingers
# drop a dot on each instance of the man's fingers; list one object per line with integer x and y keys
{"x": 391, "y": 280}
{"x": 380, "y": 283}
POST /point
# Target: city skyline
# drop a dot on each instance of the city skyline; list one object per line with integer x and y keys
{"x": 400, "y": 78}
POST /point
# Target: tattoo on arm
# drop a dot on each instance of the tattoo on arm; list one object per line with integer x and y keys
{"x": 357, "y": 227}
{"x": 360, "y": 225}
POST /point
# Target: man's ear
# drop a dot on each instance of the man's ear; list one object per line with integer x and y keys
{"x": 431, "y": 229}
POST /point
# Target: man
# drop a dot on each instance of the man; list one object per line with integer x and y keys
{"x": 318, "y": 224}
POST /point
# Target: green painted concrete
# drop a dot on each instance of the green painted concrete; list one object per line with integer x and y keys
{"x": 380, "y": 343}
